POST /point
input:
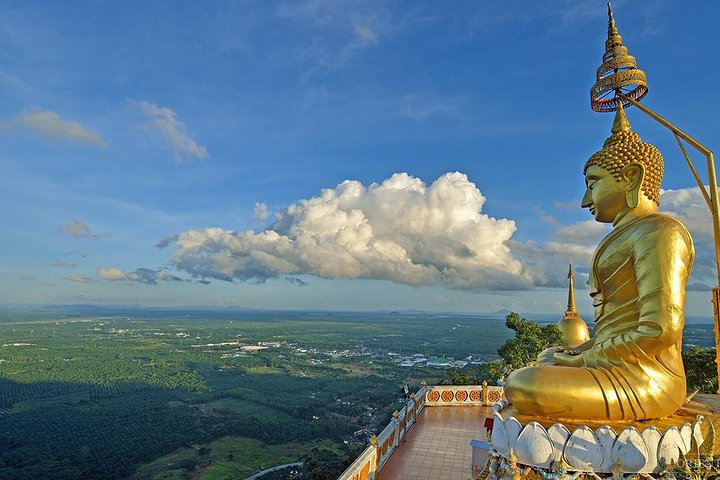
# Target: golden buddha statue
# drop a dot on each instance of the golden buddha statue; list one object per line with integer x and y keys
{"x": 632, "y": 368}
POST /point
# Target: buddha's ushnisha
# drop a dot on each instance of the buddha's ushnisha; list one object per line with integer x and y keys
{"x": 632, "y": 368}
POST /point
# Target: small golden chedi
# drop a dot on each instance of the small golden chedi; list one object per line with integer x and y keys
{"x": 632, "y": 368}
{"x": 572, "y": 326}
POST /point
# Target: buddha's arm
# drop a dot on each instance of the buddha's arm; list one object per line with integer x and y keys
{"x": 662, "y": 258}
{"x": 582, "y": 347}
{"x": 572, "y": 356}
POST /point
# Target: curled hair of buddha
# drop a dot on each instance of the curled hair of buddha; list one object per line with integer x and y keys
{"x": 624, "y": 147}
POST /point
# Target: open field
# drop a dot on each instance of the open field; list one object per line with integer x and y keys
{"x": 221, "y": 394}
{"x": 210, "y": 394}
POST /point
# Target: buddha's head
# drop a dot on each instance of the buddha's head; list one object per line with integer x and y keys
{"x": 625, "y": 173}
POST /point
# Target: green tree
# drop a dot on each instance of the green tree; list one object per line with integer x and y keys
{"x": 530, "y": 339}
{"x": 455, "y": 376}
{"x": 490, "y": 371}
{"x": 486, "y": 371}
{"x": 323, "y": 463}
{"x": 700, "y": 369}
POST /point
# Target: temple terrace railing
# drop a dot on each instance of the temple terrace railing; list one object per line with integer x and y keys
{"x": 367, "y": 465}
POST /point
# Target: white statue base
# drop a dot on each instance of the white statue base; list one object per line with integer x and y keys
{"x": 650, "y": 447}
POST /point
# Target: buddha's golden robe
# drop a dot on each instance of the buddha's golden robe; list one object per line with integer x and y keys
{"x": 632, "y": 369}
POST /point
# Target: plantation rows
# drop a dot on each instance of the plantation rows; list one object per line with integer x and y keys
{"x": 104, "y": 370}
{"x": 86, "y": 438}
{"x": 76, "y": 404}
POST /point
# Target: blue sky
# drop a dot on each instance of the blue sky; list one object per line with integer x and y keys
{"x": 221, "y": 131}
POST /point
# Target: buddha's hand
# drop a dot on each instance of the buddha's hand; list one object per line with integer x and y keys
{"x": 569, "y": 358}
{"x": 547, "y": 356}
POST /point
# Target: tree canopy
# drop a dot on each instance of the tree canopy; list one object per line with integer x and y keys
{"x": 700, "y": 369}
{"x": 530, "y": 339}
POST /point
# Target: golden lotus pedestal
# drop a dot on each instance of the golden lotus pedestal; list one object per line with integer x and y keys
{"x": 686, "y": 414}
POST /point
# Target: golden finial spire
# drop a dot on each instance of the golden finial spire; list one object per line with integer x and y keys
{"x": 620, "y": 124}
{"x": 618, "y": 73}
{"x": 571, "y": 290}
{"x": 612, "y": 30}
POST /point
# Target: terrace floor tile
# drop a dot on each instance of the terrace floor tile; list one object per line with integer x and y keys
{"x": 437, "y": 446}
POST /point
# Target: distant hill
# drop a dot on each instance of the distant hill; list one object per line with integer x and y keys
{"x": 141, "y": 310}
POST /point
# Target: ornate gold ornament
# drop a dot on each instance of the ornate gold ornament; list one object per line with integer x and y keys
{"x": 618, "y": 73}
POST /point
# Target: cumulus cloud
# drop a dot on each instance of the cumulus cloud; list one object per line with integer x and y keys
{"x": 261, "y": 212}
{"x": 51, "y": 125}
{"x": 165, "y": 121}
{"x": 147, "y": 276}
{"x": 400, "y": 230}
{"x": 548, "y": 262}
{"x": 688, "y": 205}
{"x": 405, "y": 231}
{"x": 77, "y": 229}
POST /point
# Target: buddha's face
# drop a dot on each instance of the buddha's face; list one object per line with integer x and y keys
{"x": 604, "y": 196}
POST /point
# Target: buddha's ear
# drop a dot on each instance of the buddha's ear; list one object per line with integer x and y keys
{"x": 633, "y": 174}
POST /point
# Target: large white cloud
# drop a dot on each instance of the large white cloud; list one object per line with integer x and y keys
{"x": 405, "y": 231}
{"x": 400, "y": 230}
